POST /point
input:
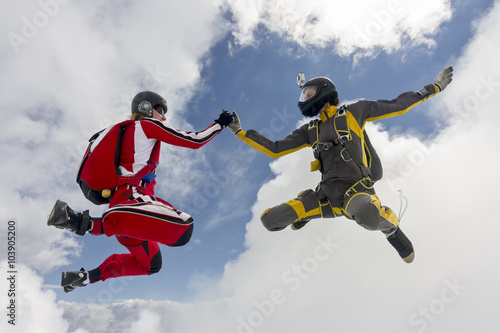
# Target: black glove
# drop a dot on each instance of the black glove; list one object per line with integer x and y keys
{"x": 225, "y": 118}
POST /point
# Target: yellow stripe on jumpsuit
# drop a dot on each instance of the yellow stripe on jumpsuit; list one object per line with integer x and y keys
{"x": 363, "y": 207}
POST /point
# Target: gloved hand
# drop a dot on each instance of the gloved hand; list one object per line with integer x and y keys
{"x": 235, "y": 125}
{"x": 444, "y": 78}
{"x": 224, "y": 118}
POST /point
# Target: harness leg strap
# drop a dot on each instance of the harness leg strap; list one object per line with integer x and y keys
{"x": 327, "y": 210}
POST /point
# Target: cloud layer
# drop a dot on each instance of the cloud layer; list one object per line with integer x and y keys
{"x": 341, "y": 26}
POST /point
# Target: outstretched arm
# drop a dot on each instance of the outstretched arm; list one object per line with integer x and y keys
{"x": 376, "y": 110}
{"x": 154, "y": 129}
{"x": 297, "y": 140}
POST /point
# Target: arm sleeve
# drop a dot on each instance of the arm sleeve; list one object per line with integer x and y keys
{"x": 297, "y": 140}
{"x": 154, "y": 129}
{"x": 375, "y": 110}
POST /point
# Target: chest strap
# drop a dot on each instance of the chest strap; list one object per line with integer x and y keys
{"x": 343, "y": 138}
{"x": 313, "y": 134}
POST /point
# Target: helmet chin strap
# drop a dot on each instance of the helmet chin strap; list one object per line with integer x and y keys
{"x": 315, "y": 109}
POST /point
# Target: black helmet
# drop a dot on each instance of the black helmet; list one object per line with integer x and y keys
{"x": 315, "y": 94}
{"x": 145, "y": 101}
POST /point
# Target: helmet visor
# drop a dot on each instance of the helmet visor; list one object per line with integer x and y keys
{"x": 308, "y": 93}
{"x": 159, "y": 108}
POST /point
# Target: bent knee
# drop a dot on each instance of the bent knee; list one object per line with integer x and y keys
{"x": 368, "y": 224}
{"x": 267, "y": 221}
{"x": 156, "y": 264}
{"x": 368, "y": 217}
{"x": 154, "y": 269}
{"x": 278, "y": 218}
{"x": 185, "y": 238}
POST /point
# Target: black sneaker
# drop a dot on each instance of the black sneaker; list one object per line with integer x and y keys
{"x": 403, "y": 245}
{"x": 63, "y": 217}
{"x": 72, "y": 280}
{"x": 299, "y": 224}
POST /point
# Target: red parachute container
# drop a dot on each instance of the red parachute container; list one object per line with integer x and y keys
{"x": 99, "y": 173}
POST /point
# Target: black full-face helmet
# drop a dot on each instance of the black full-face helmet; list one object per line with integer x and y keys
{"x": 145, "y": 101}
{"x": 315, "y": 94}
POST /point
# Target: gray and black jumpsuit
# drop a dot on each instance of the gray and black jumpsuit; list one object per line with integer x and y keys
{"x": 334, "y": 196}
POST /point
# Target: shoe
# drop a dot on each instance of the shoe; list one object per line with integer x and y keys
{"x": 63, "y": 217}
{"x": 403, "y": 245}
{"x": 299, "y": 224}
{"x": 72, "y": 280}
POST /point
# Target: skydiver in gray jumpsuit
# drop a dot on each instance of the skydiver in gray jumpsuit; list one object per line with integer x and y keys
{"x": 346, "y": 187}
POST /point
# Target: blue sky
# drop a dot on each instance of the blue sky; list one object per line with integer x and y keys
{"x": 77, "y": 73}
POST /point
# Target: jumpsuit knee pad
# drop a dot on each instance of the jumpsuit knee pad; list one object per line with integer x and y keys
{"x": 185, "y": 238}
{"x": 367, "y": 211}
{"x": 278, "y": 217}
{"x": 367, "y": 218}
{"x": 363, "y": 212}
{"x": 266, "y": 220}
{"x": 111, "y": 267}
{"x": 156, "y": 263}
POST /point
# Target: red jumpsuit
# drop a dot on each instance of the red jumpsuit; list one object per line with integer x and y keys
{"x": 138, "y": 219}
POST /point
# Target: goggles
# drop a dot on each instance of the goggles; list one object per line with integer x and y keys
{"x": 308, "y": 93}
{"x": 159, "y": 109}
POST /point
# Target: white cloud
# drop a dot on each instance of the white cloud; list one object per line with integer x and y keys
{"x": 139, "y": 315}
{"x": 34, "y": 307}
{"x": 38, "y": 246}
{"x": 148, "y": 321}
{"x": 343, "y": 26}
